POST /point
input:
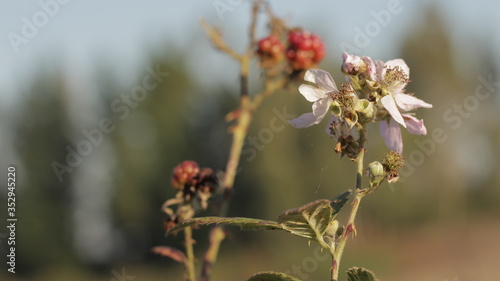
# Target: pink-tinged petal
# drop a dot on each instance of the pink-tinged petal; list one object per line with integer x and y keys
{"x": 352, "y": 64}
{"x": 389, "y": 104}
{"x": 397, "y": 63}
{"x": 379, "y": 68}
{"x": 321, "y": 78}
{"x": 311, "y": 93}
{"x": 414, "y": 126}
{"x": 407, "y": 102}
{"x": 371, "y": 68}
{"x": 321, "y": 107}
{"x": 391, "y": 133}
{"x": 305, "y": 120}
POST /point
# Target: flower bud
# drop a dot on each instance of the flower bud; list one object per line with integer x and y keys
{"x": 352, "y": 65}
{"x": 184, "y": 174}
{"x": 377, "y": 174}
{"x": 376, "y": 169}
{"x": 332, "y": 229}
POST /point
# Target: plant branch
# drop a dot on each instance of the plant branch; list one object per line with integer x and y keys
{"x": 216, "y": 236}
{"x": 243, "y": 116}
{"x": 216, "y": 37}
{"x": 358, "y": 195}
{"x": 188, "y": 244}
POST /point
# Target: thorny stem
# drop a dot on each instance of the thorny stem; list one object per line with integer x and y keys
{"x": 188, "y": 244}
{"x": 244, "y": 117}
{"x": 358, "y": 195}
{"x": 216, "y": 236}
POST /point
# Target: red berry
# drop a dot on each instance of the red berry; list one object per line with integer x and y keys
{"x": 270, "y": 49}
{"x": 184, "y": 174}
{"x": 304, "y": 50}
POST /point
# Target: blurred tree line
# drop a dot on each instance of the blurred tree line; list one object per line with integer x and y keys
{"x": 105, "y": 213}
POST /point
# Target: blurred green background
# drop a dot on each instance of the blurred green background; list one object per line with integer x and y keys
{"x": 102, "y": 219}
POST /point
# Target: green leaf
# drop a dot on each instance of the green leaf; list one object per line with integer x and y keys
{"x": 272, "y": 276}
{"x": 360, "y": 274}
{"x": 339, "y": 201}
{"x": 310, "y": 220}
{"x": 244, "y": 223}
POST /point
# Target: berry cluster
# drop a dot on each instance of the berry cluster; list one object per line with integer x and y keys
{"x": 194, "y": 183}
{"x": 184, "y": 174}
{"x": 305, "y": 50}
{"x": 270, "y": 50}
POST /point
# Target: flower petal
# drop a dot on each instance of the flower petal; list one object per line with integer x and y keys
{"x": 397, "y": 63}
{"x": 407, "y": 102}
{"x": 311, "y": 93}
{"x": 389, "y": 104}
{"x": 332, "y": 119}
{"x": 391, "y": 133}
{"x": 379, "y": 68}
{"x": 321, "y": 107}
{"x": 321, "y": 78}
{"x": 414, "y": 126}
{"x": 371, "y": 68}
{"x": 305, "y": 120}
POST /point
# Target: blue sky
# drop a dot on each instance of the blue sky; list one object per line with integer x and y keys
{"x": 80, "y": 33}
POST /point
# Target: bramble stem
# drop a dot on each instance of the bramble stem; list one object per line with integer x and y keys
{"x": 216, "y": 236}
{"x": 243, "y": 115}
{"x": 188, "y": 244}
{"x": 350, "y": 227}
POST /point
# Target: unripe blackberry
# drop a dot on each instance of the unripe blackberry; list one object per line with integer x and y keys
{"x": 270, "y": 50}
{"x": 184, "y": 174}
{"x": 207, "y": 181}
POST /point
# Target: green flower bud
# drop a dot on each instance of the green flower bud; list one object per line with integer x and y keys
{"x": 332, "y": 228}
{"x": 377, "y": 174}
{"x": 376, "y": 169}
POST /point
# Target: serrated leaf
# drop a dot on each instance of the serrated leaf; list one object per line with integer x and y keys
{"x": 244, "y": 223}
{"x": 310, "y": 220}
{"x": 339, "y": 201}
{"x": 272, "y": 276}
{"x": 360, "y": 274}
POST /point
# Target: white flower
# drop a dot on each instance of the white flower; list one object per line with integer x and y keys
{"x": 394, "y": 75}
{"x": 319, "y": 96}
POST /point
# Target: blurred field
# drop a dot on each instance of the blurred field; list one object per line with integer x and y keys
{"x": 440, "y": 224}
